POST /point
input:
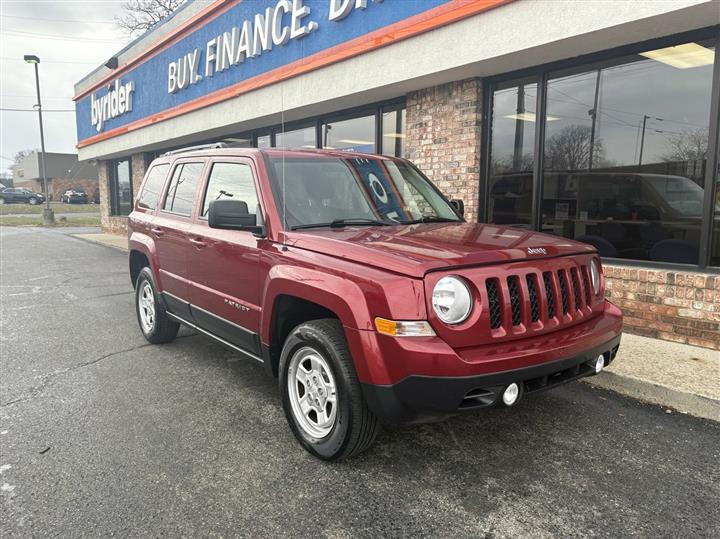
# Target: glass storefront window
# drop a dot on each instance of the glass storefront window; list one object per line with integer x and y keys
{"x": 512, "y": 158}
{"x": 356, "y": 134}
{"x": 393, "y": 127}
{"x": 121, "y": 193}
{"x": 298, "y": 138}
{"x": 625, "y": 151}
{"x": 715, "y": 231}
{"x": 263, "y": 141}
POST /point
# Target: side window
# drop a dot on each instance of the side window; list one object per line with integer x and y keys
{"x": 231, "y": 180}
{"x": 153, "y": 186}
{"x": 181, "y": 192}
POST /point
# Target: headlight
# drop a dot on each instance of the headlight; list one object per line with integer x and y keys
{"x": 451, "y": 300}
{"x": 595, "y": 276}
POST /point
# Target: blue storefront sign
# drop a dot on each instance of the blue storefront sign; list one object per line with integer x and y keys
{"x": 249, "y": 39}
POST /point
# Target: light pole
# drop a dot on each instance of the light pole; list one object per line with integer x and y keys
{"x": 48, "y": 216}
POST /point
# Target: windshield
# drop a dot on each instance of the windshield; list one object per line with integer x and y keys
{"x": 681, "y": 194}
{"x": 322, "y": 191}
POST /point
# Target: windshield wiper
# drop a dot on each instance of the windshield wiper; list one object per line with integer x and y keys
{"x": 339, "y": 223}
{"x": 431, "y": 219}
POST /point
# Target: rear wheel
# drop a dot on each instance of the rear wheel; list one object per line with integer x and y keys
{"x": 321, "y": 395}
{"x": 154, "y": 322}
{"x": 2, "y": 200}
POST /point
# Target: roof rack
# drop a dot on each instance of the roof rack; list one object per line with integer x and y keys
{"x": 212, "y": 146}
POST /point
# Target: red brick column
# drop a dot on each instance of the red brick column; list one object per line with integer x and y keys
{"x": 442, "y": 137}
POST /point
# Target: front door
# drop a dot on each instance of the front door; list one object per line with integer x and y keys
{"x": 170, "y": 230}
{"x": 224, "y": 264}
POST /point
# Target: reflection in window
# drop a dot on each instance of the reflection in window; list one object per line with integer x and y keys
{"x": 153, "y": 186}
{"x": 231, "y": 180}
{"x": 393, "y": 126}
{"x": 511, "y": 164}
{"x": 715, "y": 248}
{"x": 299, "y": 138}
{"x": 121, "y": 195}
{"x": 624, "y": 155}
{"x": 239, "y": 142}
{"x": 263, "y": 141}
{"x": 356, "y": 134}
{"x": 181, "y": 191}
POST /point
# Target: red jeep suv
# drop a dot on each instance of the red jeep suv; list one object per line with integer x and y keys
{"x": 352, "y": 279}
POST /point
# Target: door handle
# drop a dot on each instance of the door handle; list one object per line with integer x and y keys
{"x": 197, "y": 243}
{"x": 157, "y": 231}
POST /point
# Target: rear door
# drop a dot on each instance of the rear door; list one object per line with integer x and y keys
{"x": 224, "y": 264}
{"x": 170, "y": 230}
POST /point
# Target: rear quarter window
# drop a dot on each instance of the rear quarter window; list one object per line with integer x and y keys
{"x": 152, "y": 189}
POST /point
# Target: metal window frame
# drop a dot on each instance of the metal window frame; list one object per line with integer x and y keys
{"x": 599, "y": 60}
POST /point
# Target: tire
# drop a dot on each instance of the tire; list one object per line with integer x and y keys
{"x": 158, "y": 328}
{"x": 2, "y": 200}
{"x": 32, "y": 201}
{"x": 320, "y": 347}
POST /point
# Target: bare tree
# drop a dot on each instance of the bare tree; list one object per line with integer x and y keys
{"x": 20, "y": 155}
{"x": 141, "y": 15}
{"x": 688, "y": 146}
{"x": 569, "y": 149}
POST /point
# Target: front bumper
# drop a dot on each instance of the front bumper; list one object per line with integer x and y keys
{"x": 418, "y": 399}
{"x": 425, "y": 379}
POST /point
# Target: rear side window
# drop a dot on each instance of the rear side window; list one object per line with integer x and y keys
{"x": 153, "y": 187}
{"x": 181, "y": 191}
{"x": 231, "y": 180}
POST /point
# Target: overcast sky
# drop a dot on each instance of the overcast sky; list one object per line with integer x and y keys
{"x": 71, "y": 37}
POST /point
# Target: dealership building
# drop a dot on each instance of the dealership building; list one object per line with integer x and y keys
{"x": 592, "y": 120}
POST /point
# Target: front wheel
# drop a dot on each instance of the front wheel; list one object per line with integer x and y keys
{"x": 154, "y": 322}
{"x": 321, "y": 395}
{"x": 32, "y": 201}
{"x": 2, "y": 200}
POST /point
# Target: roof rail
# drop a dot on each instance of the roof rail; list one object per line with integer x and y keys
{"x": 196, "y": 148}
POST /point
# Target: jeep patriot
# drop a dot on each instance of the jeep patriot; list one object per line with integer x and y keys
{"x": 357, "y": 284}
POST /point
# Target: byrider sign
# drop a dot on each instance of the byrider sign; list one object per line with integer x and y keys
{"x": 244, "y": 45}
{"x": 274, "y": 27}
{"x": 117, "y": 101}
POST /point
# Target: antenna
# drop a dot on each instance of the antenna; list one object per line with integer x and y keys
{"x": 282, "y": 130}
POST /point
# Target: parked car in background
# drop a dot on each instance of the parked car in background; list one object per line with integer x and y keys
{"x": 20, "y": 195}
{"x": 75, "y": 196}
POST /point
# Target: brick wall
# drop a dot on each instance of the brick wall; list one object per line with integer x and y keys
{"x": 442, "y": 137}
{"x": 667, "y": 304}
{"x": 115, "y": 224}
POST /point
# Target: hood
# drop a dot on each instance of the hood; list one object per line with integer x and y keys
{"x": 414, "y": 250}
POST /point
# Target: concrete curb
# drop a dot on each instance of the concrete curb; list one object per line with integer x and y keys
{"x": 100, "y": 240}
{"x": 681, "y": 401}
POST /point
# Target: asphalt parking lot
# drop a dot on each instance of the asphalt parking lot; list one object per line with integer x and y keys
{"x": 102, "y": 434}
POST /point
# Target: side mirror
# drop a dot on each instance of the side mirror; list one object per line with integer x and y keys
{"x": 459, "y": 205}
{"x": 232, "y": 215}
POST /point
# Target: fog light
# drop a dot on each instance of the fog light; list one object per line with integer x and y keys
{"x": 599, "y": 364}
{"x": 511, "y": 394}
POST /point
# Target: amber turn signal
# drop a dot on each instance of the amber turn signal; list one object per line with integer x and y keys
{"x": 408, "y": 328}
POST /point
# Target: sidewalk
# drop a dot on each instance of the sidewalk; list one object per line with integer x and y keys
{"x": 678, "y": 376}
{"x": 116, "y": 241}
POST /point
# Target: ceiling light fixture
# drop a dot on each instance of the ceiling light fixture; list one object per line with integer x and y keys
{"x": 682, "y": 56}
